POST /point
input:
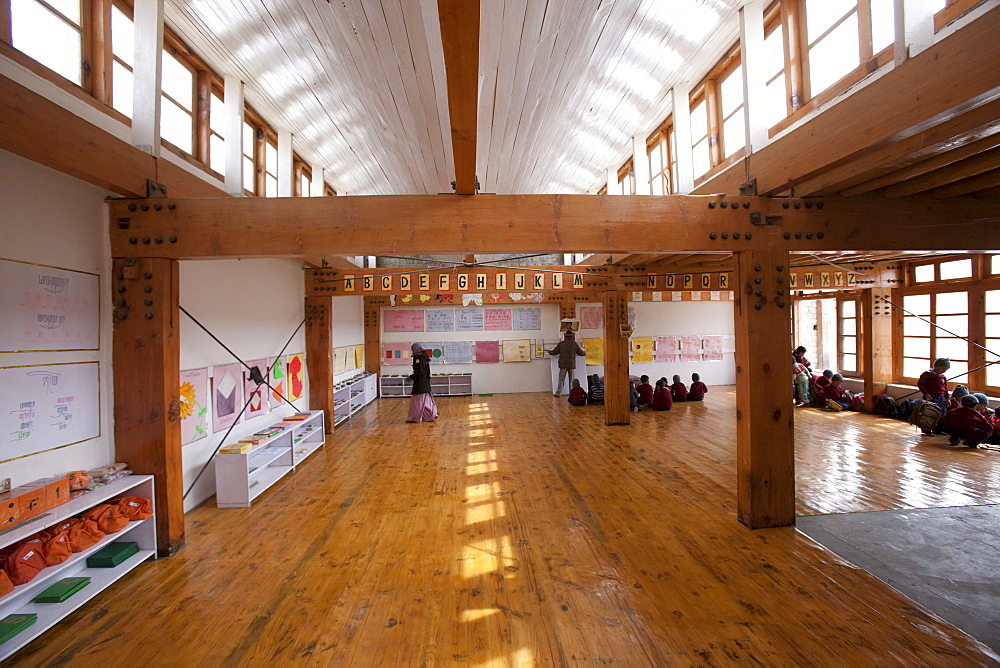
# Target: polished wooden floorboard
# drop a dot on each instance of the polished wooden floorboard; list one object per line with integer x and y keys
{"x": 520, "y": 531}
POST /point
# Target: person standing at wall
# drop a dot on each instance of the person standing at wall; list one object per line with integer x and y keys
{"x": 422, "y": 406}
{"x": 567, "y": 350}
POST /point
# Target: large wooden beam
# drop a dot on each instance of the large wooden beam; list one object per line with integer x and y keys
{"x": 319, "y": 356}
{"x": 390, "y": 225}
{"x": 460, "y": 39}
{"x": 616, "y": 361}
{"x": 765, "y": 452}
{"x": 955, "y": 75}
{"x": 373, "y": 334}
{"x": 146, "y": 367}
{"x": 964, "y": 169}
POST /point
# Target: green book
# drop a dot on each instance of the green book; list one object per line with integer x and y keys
{"x": 11, "y": 625}
{"x": 62, "y": 590}
{"x": 112, "y": 555}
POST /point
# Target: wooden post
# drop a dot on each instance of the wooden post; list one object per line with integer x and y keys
{"x": 319, "y": 356}
{"x": 146, "y": 370}
{"x": 765, "y": 462}
{"x": 373, "y": 337}
{"x": 616, "y": 390}
{"x": 876, "y": 344}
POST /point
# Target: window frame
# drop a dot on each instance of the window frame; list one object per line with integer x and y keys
{"x": 663, "y": 140}
{"x": 858, "y": 353}
{"x": 627, "y": 171}
{"x": 708, "y": 91}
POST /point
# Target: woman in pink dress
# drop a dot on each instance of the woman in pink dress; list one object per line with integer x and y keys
{"x": 422, "y": 406}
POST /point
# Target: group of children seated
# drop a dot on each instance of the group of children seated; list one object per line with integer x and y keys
{"x": 641, "y": 393}
{"x": 967, "y": 416}
{"x": 823, "y": 391}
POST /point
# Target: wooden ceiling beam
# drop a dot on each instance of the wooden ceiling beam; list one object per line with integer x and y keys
{"x": 460, "y": 39}
{"x": 986, "y": 181}
{"x": 964, "y": 169}
{"x": 390, "y": 225}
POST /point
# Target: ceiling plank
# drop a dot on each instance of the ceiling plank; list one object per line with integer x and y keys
{"x": 964, "y": 169}
{"x": 460, "y": 39}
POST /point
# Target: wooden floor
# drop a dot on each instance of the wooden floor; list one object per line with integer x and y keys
{"x": 520, "y": 531}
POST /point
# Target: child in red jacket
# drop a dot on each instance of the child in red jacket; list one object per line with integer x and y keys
{"x": 698, "y": 389}
{"x": 662, "y": 401}
{"x": 645, "y": 391}
{"x": 679, "y": 390}
{"x": 965, "y": 422}
{"x": 836, "y": 398}
{"x": 577, "y": 395}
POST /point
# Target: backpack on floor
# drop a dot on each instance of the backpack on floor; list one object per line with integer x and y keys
{"x": 905, "y": 408}
{"x": 885, "y": 405}
{"x": 857, "y": 402}
{"x": 925, "y": 415}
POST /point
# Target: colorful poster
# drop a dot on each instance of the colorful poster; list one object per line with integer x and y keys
{"x": 359, "y": 356}
{"x": 396, "y": 353}
{"x": 46, "y": 308}
{"x": 440, "y": 320}
{"x": 591, "y": 317}
{"x": 497, "y": 320}
{"x": 458, "y": 352}
{"x": 690, "y": 348}
{"x": 350, "y": 359}
{"x": 227, "y": 395}
{"x": 469, "y": 320}
{"x": 595, "y": 351}
{"x": 487, "y": 351}
{"x": 254, "y": 393}
{"x": 517, "y": 351}
{"x": 711, "y": 348}
{"x": 543, "y": 346}
{"x": 642, "y": 350}
{"x": 527, "y": 318}
{"x": 339, "y": 363}
{"x": 278, "y": 367}
{"x": 48, "y": 406}
{"x": 666, "y": 349}
{"x": 409, "y": 320}
{"x": 296, "y": 376}
{"x": 194, "y": 405}
{"x": 435, "y": 351}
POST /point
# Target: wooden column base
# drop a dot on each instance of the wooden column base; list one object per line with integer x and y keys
{"x": 616, "y": 387}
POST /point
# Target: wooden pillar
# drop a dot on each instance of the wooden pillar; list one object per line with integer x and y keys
{"x": 876, "y": 343}
{"x": 146, "y": 371}
{"x": 373, "y": 336}
{"x": 319, "y": 356}
{"x": 616, "y": 390}
{"x": 765, "y": 453}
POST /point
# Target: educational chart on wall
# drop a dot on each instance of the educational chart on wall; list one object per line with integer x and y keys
{"x": 527, "y": 318}
{"x": 469, "y": 320}
{"x": 227, "y": 395}
{"x": 666, "y": 349}
{"x": 410, "y": 320}
{"x": 257, "y": 395}
{"x": 396, "y": 353}
{"x": 440, "y": 320}
{"x": 359, "y": 356}
{"x": 435, "y": 352}
{"x": 339, "y": 363}
{"x": 194, "y": 405}
{"x": 497, "y": 320}
{"x": 595, "y": 351}
{"x": 48, "y": 406}
{"x": 487, "y": 352}
{"x": 690, "y": 348}
{"x": 458, "y": 352}
{"x": 47, "y": 308}
{"x": 642, "y": 350}
{"x": 296, "y": 376}
{"x": 711, "y": 348}
{"x": 278, "y": 380}
{"x": 518, "y": 350}
{"x": 591, "y": 317}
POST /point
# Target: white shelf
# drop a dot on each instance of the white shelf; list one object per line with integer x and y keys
{"x": 353, "y": 394}
{"x": 443, "y": 385}
{"x": 142, "y": 532}
{"x": 242, "y": 477}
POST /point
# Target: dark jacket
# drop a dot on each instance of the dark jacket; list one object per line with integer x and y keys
{"x": 567, "y": 349}
{"x": 421, "y": 374}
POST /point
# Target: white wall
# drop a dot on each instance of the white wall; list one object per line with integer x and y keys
{"x": 348, "y": 327}
{"x": 252, "y": 306}
{"x": 49, "y": 218}
{"x": 502, "y": 377}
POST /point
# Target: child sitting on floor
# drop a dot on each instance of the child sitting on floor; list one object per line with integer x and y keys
{"x": 577, "y": 397}
{"x": 645, "y": 391}
{"x": 679, "y": 390}
{"x": 836, "y": 397}
{"x": 662, "y": 401}
{"x": 596, "y": 395}
{"x": 633, "y": 396}
{"x": 965, "y": 422}
{"x": 994, "y": 421}
{"x": 698, "y": 388}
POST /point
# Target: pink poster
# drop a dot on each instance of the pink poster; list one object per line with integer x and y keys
{"x": 591, "y": 317}
{"x": 227, "y": 395}
{"x": 666, "y": 349}
{"x": 256, "y": 394}
{"x": 194, "y": 405}
{"x": 690, "y": 348}
{"x": 396, "y": 353}
{"x": 487, "y": 351}
{"x": 711, "y": 347}
{"x": 498, "y": 320}
{"x": 411, "y": 320}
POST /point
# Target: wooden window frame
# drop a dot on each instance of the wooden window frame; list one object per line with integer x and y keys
{"x": 627, "y": 171}
{"x": 858, "y": 353}
{"x": 708, "y": 91}
{"x": 328, "y": 191}
{"x": 300, "y": 168}
{"x": 955, "y": 9}
{"x": 661, "y": 140}
{"x": 261, "y": 131}
{"x": 604, "y": 190}
{"x": 980, "y": 270}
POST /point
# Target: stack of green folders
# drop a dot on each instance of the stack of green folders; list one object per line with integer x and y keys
{"x": 112, "y": 555}
{"x": 62, "y": 590}
{"x": 11, "y": 625}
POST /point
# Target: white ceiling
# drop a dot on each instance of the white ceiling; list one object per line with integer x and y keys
{"x": 564, "y": 84}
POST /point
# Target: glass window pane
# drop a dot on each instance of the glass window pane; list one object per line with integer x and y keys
{"x": 304, "y": 186}
{"x": 917, "y": 304}
{"x": 834, "y": 56}
{"x": 248, "y": 140}
{"x": 849, "y": 362}
{"x": 774, "y": 99}
{"x": 993, "y": 371}
{"x": 915, "y": 327}
{"x": 821, "y": 14}
{"x": 41, "y": 35}
{"x": 699, "y": 123}
{"x": 700, "y": 156}
{"x": 122, "y": 36}
{"x": 952, "y": 349}
{"x": 248, "y": 174}
{"x": 848, "y": 309}
{"x": 958, "y": 325}
{"x": 731, "y": 89}
{"x": 176, "y": 125}
{"x": 995, "y": 264}
{"x": 956, "y": 269}
{"x": 68, "y": 8}
{"x": 217, "y": 154}
{"x": 916, "y": 347}
{"x": 993, "y": 326}
{"x": 849, "y": 326}
{"x": 178, "y": 81}
{"x": 923, "y": 273}
{"x": 734, "y": 134}
{"x": 270, "y": 158}
{"x": 958, "y": 368}
{"x": 217, "y": 115}
{"x": 271, "y": 186}
{"x": 952, "y": 302}
{"x": 657, "y": 185}
{"x": 121, "y": 89}
{"x": 774, "y": 52}
{"x": 993, "y": 301}
{"x": 938, "y": 5}
{"x": 883, "y": 30}
{"x": 848, "y": 344}
{"x": 912, "y": 368}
